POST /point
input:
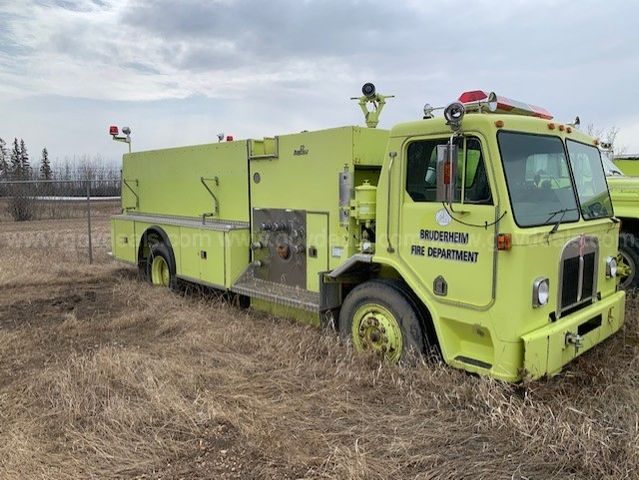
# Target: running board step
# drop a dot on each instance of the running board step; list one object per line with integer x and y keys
{"x": 277, "y": 293}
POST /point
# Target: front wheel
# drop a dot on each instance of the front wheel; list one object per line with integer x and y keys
{"x": 159, "y": 267}
{"x": 378, "y": 316}
{"x": 628, "y": 261}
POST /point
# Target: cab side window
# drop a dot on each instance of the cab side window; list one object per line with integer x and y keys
{"x": 421, "y": 170}
{"x": 421, "y": 174}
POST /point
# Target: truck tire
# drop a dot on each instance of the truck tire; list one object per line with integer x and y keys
{"x": 380, "y": 316}
{"x": 158, "y": 267}
{"x": 628, "y": 259}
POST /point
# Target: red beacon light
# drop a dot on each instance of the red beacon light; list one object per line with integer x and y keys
{"x": 505, "y": 105}
{"x": 114, "y": 131}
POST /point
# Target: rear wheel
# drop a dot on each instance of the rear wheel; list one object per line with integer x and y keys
{"x": 628, "y": 261}
{"x": 378, "y": 316}
{"x": 159, "y": 267}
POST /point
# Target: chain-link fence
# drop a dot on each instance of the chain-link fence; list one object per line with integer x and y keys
{"x": 38, "y": 200}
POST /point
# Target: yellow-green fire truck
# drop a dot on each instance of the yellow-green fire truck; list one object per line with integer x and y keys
{"x": 624, "y": 191}
{"x": 486, "y": 234}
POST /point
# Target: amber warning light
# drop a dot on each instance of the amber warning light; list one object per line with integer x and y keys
{"x": 504, "y": 241}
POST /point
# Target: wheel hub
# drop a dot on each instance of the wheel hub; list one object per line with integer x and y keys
{"x": 160, "y": 273}
{"x": 376, "y": 329}
{"x": 626, "y": 270}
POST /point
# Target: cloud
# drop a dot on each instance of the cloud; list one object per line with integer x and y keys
{"x": 218, "y": 49}
{"x": 276, "y": 66}
{"x": 222, "y": 48}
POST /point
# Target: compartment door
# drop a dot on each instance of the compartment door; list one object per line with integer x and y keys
{"x": 123, "y": 240}
{"x": 190, "y": 248}
{"x": 212, "y": 257}
{"x": 317, "y": 248}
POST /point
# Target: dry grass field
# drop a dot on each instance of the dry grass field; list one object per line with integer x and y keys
{"x": 60, "y": 209}
{"x": 102, "y": 376}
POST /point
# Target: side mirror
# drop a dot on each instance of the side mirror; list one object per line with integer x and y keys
{"x": 446, "y": 172}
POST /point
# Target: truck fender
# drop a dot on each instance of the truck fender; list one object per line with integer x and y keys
{"x": 164, "y": 238}
{"x": 331, "y": 295}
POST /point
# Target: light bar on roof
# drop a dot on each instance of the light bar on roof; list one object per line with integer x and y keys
{"x": 506, "y": 105}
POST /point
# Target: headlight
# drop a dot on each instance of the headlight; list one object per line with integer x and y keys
{"x": 541, "y": 292}
{"x": 611, "y": 267}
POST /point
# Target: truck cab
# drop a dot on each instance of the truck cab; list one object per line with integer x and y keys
{"x": 517, "y": 265}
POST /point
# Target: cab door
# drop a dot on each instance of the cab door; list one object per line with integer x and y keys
{"x": 449, "y": 247}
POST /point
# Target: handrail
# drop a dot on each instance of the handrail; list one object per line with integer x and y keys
{"x": 216, "y": 212}
{"x": 392, "y": 156}
{"x": 137, "y": 197}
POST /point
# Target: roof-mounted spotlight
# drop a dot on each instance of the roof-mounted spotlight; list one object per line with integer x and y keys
{"x": 453, "y": 114}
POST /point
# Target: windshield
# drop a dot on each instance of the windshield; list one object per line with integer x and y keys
{"x": 590, "y": 180}
{"x": 541, "y": 191}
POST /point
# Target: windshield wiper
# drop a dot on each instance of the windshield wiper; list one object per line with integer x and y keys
{"x": 563, "y": 212}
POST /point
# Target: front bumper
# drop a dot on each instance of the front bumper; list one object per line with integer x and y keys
{"x": 548, "y": 349}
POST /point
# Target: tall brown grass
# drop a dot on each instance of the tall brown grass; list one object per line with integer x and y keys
{"x": 105, "y": 377}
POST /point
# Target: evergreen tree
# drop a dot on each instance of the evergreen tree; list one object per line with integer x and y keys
{"x": 24, "y": 159}
{"x": 15, "y": 168}
{"x": 45, "y": 165}
{"x": 4, "y": 164}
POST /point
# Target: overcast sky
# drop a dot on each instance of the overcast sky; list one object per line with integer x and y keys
{"x": 179, "y": 72}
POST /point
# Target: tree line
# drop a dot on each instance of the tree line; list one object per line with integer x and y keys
{"x": 67, "y": 178}
{"x": 15, "y": 164}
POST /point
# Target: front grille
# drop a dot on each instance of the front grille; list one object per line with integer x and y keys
{"x": 588, "y": 289}
{"x": 578, "y": 275}
{"x": 570, "y": 282}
